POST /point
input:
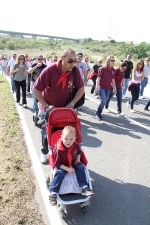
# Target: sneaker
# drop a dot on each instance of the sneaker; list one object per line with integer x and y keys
{"x": 123, "y": 96}
{"x": 92, "y": 94}
{"x": 95, "y": 94}
{"x": 43, "y": 158}
{"x": 132, "y": 110}
{"x": 98, "y": 97}
{"x": 18, "y": 103}
{"x": 141, "y": 97}
{"x": 99, "y": 117}
{"x": 107, "y": 110}
{"x": 24, "y": 105}
{"x": 87, "y": 192}
{"x": 119, "y": 115}
{"x": 122, "y": 114}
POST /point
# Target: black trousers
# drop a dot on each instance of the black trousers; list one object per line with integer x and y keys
{"x": 135, "y": 90}
{"x": 94, "y": 84}
{"x": 21, "y": 84}
{"x": 29, "y": 79}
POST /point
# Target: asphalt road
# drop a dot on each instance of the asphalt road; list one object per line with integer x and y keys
{"x": 118, "y": 152}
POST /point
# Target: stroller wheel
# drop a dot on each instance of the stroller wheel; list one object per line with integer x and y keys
{"x": 47, "y": 181}
{"x": 62, "y": 213}
{"x": 83, "y": 209}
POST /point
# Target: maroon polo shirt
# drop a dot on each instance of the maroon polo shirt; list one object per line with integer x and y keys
{"x": 52, "y": 93}
{"x": 61, "y": 155}
{"x": 118, "y": 78}
{"x": 106, "y": 78}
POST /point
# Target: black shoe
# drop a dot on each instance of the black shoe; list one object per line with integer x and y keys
{"x": 87, "y": 192}
{"x": 99, "y": 117}
{"x": 146, "y": 109}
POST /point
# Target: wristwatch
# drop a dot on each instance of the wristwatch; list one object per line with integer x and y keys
{"x": 72, "y": 104}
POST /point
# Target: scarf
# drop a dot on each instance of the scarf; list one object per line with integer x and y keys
{"x": 60, "y": 147}
{"x": 63, "y": 76}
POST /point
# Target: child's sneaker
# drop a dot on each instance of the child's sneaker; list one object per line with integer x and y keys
{"x": 87, "y": 192}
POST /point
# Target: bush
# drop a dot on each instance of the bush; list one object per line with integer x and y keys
{"x": 11, "y": 46}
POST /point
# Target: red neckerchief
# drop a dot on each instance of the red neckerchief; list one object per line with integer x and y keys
{"x": 110, "y": 68}
{"x": 61, "y": 147}
{"x": 63, "y": 76}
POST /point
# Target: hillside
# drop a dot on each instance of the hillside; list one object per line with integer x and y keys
{"x": 93, "y": 49}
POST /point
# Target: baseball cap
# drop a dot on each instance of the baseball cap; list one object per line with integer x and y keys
{"x": 14, "y": 54}
{"x": 26, "y": 55}
{"x": 80, "y": 54}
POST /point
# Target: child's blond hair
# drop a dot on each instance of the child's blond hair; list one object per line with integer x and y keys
{"x": 69, "y": 129}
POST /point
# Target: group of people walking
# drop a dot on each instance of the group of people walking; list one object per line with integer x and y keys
{"x": 108, "y": 81}
{"x": 52, "y": 84}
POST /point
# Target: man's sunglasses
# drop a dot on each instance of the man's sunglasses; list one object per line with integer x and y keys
{"x": 21, "y": 58}
{"x": 112, "y": 60}
{"x": 71, "y": 61}
{"x": 40, "y": 59}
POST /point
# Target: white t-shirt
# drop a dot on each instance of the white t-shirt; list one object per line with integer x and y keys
{"x": 11, "y": 63}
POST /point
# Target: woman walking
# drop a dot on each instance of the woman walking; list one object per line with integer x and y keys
{"x": 134, "y": 86}
{"x": 106, "y": 77}
{"x": 20, "y": 74}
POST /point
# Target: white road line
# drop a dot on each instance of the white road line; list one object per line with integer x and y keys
{"x": 52, "y": 211}
{"x": 125, "y": 116}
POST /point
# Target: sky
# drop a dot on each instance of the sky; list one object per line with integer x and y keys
{"x": 121, "y": 20}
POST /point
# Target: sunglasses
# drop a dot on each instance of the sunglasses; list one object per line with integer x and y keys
{"x": 21, "y": 58}
{"x": 71, "y": 61}
{"x": 40, "y": 59}
{"x": 55, "y": 60}
{"x": 140, "y": 64}
{"x": 112, "y": 60}
{"x": 124, "y": 68}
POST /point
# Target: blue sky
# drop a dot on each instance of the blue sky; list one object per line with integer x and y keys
{"x": 122, "y": 20}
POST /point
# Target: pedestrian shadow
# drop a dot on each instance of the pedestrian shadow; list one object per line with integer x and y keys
{"x": 111, "y": 124}
{"x": 113, "y": 203}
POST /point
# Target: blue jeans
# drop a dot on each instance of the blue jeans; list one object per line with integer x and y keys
{"x": 44, "y": 148}
{"x": 60, "y": 174}
{"x": 143, "y": 85}
{"x": 3, "y": 68}
{"x": 13, "y": 86}
{"x": 148, "y": 104}
{"x": 126, "y": 84}
{"x": 35, "y": 103}
{"x": 103, "y": 94}
{"x": 119, "y": 99}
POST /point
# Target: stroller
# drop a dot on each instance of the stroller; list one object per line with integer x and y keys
{"x": 70, "y": 192}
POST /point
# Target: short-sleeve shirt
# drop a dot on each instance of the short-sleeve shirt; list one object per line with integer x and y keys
{"x": 128, "y": 70}
{"x": 20, "y": 75}
{"x": 37, "y": 72}
{"x": 52, "y": 93}
{"x": 118, "y": 78}
{"x": 106, "y": 78}
{"x": 11, "y": 63}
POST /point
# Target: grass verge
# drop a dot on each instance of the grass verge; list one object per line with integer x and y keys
{"x": 17, "y": 203}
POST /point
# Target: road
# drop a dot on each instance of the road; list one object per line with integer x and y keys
{"x": 118, "y": 151}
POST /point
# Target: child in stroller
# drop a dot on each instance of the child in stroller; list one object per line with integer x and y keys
{"x": 69, "y": 191}
{"x": 68, "y": 159}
